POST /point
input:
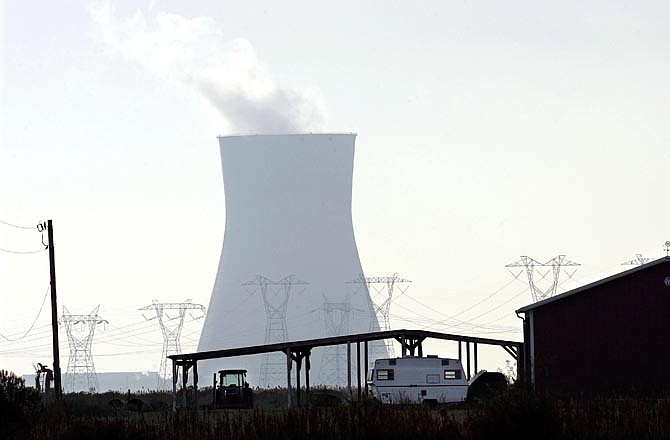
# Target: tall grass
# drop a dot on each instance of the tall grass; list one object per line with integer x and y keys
{"x": 515, "y": 414}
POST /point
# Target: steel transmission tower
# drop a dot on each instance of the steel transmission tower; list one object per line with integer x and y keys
{"x": 171, "y": 327}
{"x": 549, "y": 272}
{"x": 80, "y": 330}
{"x": 275, "y": 295}
{"x": 336, "y": 317}
{"x": 383, "y": 288}
{"x": 638, "y": 261}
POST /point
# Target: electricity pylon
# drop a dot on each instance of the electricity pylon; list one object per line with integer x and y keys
{"x": 336, "y": 317}
{"x": 80, "y": 369}
{"x": 638, "y": 261}
{"x": 171, "y": 327}
{"x": 549, "y": 272}
{"x": 383, "y": 288}
{"x": 275, "y": 295}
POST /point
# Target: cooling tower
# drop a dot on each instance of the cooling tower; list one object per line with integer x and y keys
{"x": 288, "y": 213}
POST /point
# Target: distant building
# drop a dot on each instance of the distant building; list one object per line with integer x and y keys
{"x": 608, "y": 337}
{"x": 121, "y": 381}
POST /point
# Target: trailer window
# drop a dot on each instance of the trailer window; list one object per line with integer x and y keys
{"x": 452, "y": 374}
{"x": 445, "y": 361}
{"x": 432, "y": 378}
{"x": 384, "y": 374}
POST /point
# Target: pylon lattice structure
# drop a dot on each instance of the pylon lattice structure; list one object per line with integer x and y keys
{"x": 549, "y": 272}
{"x": 336, "y": 317}
{"x": 171, "y": 327}
{"x": 638, "y": 261}
{"x": 275, "y": 295}
{"x": 381, "y": 291}
{"x": 80, "y": 373}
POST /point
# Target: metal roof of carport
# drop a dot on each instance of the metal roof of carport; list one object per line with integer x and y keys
{"x": 337, "y": 340}
{"x": 591, "y": 285}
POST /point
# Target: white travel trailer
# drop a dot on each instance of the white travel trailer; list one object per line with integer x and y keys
{"x": 418, "y": 380}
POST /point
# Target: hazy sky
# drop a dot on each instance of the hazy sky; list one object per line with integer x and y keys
{"x": 486, "y": 131}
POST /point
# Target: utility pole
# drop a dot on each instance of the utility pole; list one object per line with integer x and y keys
{"x": 54, "y": 312}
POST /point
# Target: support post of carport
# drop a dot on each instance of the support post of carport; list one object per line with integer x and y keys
{"x": 467, "y": 356}
{"x": 307, "y": 367}
{"x": 288, "y": 377}
{"x": 195, "y": 384}
{"x": 460, "y": 352}
{"x": 349, "y": 367}
{"x": 474, "y": 346}
{"x": 184, "y": 382}
{"x": 358, "y": 367}
{"x": 298, "y": 367}
{"x": 174, "y": 385}
{"x": 365, "y": 361}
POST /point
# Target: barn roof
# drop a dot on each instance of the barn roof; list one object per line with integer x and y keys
{"x": 591, "y": 285}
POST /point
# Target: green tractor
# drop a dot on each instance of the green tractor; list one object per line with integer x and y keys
{"x": 232, "y": 390}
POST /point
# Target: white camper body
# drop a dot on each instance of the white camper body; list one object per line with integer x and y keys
{"x": 418, "y": 380}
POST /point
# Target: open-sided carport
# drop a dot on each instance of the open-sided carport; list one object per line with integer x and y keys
{"x": 411, "y": 341}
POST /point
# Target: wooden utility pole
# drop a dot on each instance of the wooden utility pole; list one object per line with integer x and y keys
{"x": 54, "y": 313}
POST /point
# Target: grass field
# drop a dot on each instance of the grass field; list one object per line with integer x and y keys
{"x": 514, "y": 414}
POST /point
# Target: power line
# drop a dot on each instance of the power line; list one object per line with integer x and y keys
{"x": 486, "y": 325}
{"x": 453, "y": 317}
{"x": 500, "y": 289}
{"x": 39, "y": 331}
{"x": 17, "y": 226}
{"x": 9, "y": 251}
{"x": 34, "y": 321}
{"x": 461, "y": 323}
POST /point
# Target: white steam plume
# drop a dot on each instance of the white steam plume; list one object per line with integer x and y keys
{"x": 227, "y": 73}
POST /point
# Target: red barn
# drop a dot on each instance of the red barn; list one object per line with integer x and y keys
{"x": 608, "y": 337}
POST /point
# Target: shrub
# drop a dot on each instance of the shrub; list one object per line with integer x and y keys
{"x": 515, "y": 414}
{"x": 18, "y": 404}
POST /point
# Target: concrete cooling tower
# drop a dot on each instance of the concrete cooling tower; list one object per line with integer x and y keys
{"x": 289, "y": 254}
